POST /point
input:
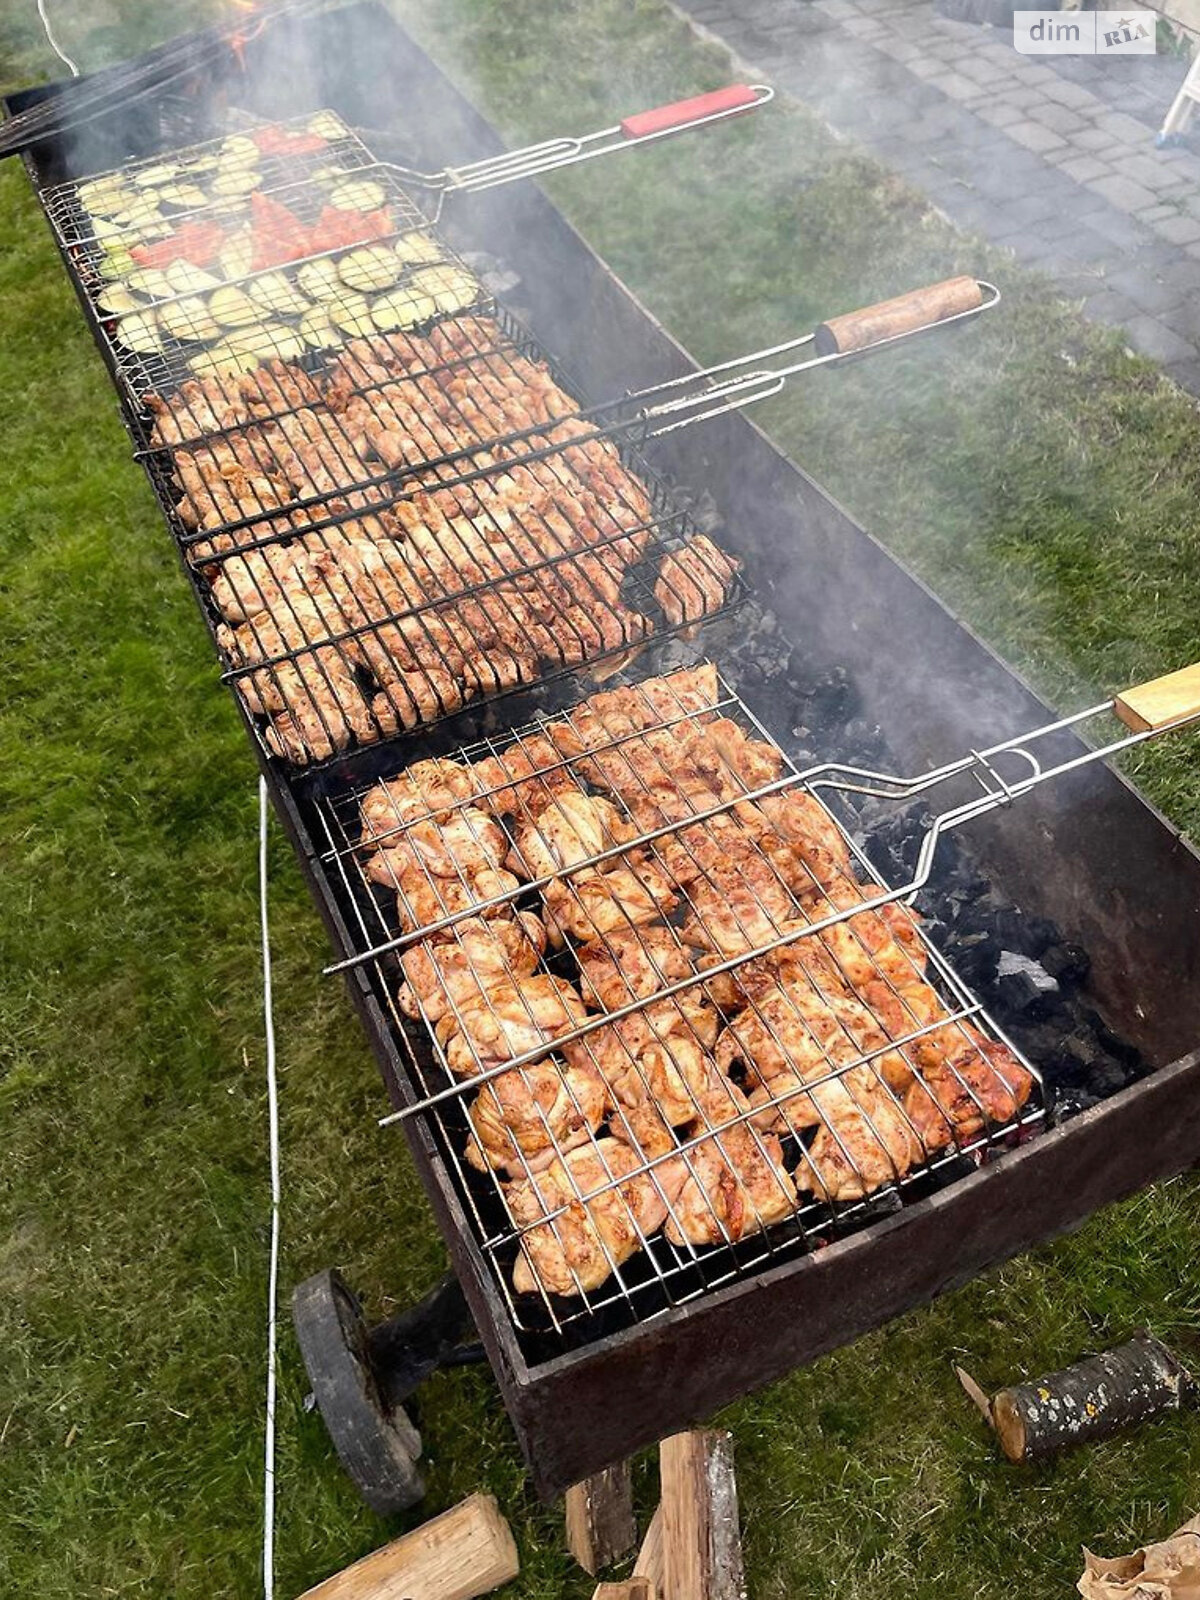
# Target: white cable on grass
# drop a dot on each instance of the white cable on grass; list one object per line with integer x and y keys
{"x": 268, "y": 1564}
{"x": 53, "y": 42}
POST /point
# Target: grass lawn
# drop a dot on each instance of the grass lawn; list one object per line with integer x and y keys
{"x": 1041, "y": 478}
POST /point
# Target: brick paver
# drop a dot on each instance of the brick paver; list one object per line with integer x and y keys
{"x": 1052, "y": 158}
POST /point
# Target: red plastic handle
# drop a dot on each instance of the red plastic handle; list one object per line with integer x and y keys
{"x": 737, "y": 97}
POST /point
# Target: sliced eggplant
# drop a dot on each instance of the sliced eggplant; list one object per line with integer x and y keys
{"x": 115, "y": 264}
{"x": 151, "y": 177}
{"x": 106, "y": 202}
{"x": 269, "y": 341}
{"x": 234, "y": 182}
{"x": 117, "y": 300}
{"x": 189, "y": 320}
{"x": 233, "y": 308}
{"x": 317, "y": 329}
{"x": 185, "y": 278}
{"x": 236, "y": 255}
{"x": 360, "y": 194}
{"x": 374, "y": 266}
{"x": 187, "y": 195}
{"x": 415, "y": 248}
{"x": 221, "y": 357}
{"x": 352, "y": 314}
{"x": 238, "y": 150}
{"x": 327, "y": 125}
{"x": 450, "y": 287}
{"x": 274, "y": 293}
{"x": 319, "y": 280}
{"x": 401, "y": 308}
{"x": 139, "y": 331}
{"x": 155, "y": 285}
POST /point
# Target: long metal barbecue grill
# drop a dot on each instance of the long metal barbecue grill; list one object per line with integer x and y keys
{"x": 828, "y": 1003}
{"x": 678, "y": 1327}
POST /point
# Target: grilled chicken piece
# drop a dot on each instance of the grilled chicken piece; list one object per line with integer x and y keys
{"x": 474, "y": 956}
{"x": 593, "y": 904}
{"x": 314, "y": 703}
{"x": 979, "y": 1083}
{"x": 437, "y": 869}
{"x": 527, "y": 777}
{"x": 792, "y": 1041}
{"x": 521, "y": 1120}
{"x": 569, "y": 830}
{"x": 865, "y": 1141}
{"x": 428, "y": 788}
{"x": 632, "y": 964}
{"x": 694, "y": 581}
{"x": 744, "y": 903}
{"x": 611, "y": 1206}
{"x": 802, "y": 821}
{"x": 659, "y": 1056}
{"x": 736, "y": 1183}
{"x": 507, "y": 1020}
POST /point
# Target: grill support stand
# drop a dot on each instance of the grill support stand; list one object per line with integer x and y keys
{"x": 361, "y": 1377}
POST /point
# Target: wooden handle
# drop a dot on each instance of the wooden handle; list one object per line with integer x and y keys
{"x": 857, "y": 330}
{"x": 737, "y": 97}
{"x": 1159, "y": 703}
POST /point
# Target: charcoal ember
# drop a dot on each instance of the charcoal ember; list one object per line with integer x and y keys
{"x": 892, "y": 837}
{"x": 1023, "y": 986}
{"x": 975, "y": 956}
{"x": 1068, "y": 963}
{"x": 831, "y": 701}
{"x": 1039, "y": 933}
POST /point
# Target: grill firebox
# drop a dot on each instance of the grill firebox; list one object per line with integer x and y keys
{"x": 1088, "y": 854}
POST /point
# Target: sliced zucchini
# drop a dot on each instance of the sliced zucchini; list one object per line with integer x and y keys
{"x": 116, "y": 263}
{"x": 401, "y": 309}
{"x": 188, "y": 195}
{"x": 233, "y": 308}
{"x": 451, "y": 287}
{"x": 269, "y": 341}
{"x": 189, "y": 319}
{"x": 105, "y": 202}
{"x": 117, "y": 299}
{"x": 273, "y": 292}
{"x": 352, "y": 314}
{"x": 151, "y": 177}
{"x": 360, "y": 194}
{"x": 319, "y": 280}
{"x": 155, "y": 285}
{"x": 415, "y": 248}
{"x": 372, "y": 267}
{"x": 139, "y": 214}
{"x": 237, "y": 254}
{"x": 326, "y": 125}
{"x": 220, "y": 357}
{"x": 317, "y": 329}
{"x": 103, "y": 228}
{"x": 139, "y": 331}
{"x": 185, "y": 278}
{"x": 234, "y": 182}
{"x": 238, "y": 150}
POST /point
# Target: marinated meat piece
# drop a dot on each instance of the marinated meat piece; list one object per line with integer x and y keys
{"x": 569, "y": 830}
{"x": 595, "y": 903}
{"x": 599, "y": 1207}
{"x": 507, "y": 1021}
{"x": 736, "y": 1182}
{"x": 694, "y": 581}
{"x": 865, "y": 1141}
{"x": 632, "y": 964}
{"x": 426, "y": 789}
{"x": 524, "y": 779}
{"x": 980, "y": 1083}
{"x": 473, "y": 957}
{"x": 522, "y": 1120}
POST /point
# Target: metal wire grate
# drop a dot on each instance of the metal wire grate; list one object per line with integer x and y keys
{"x": 645, "y": 1075}
{"x": 350, "y": 606}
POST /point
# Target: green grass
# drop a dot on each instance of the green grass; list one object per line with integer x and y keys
{"x": 1043, "y": 480}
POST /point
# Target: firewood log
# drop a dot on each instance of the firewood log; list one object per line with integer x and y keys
{"x": 1096, "y": 1397}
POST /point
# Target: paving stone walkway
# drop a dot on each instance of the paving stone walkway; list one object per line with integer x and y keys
{"x": 1035, "y": 159}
